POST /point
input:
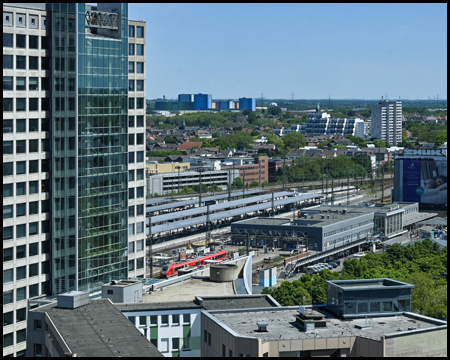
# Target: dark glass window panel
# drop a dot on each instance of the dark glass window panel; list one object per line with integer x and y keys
{"x": 139, "y": 67}
{"x": 139, "y": 32}
{"x": 8, "y": 126}
{"x": 33, "y": 104}
{"x": 21, "y": 104}
{"x": 7, "y": 147}
{"x": 7, "y": 61}
{"x": 21, "y": 188}
{"x": 21, "y": 62}
{"x": 7, "y": 171}
{"x": 7, "y": 82}
{"x": 7, "y": 40}
{"x": 21, "y": 83}
{"x": 21, "y": 125}
{"x": 21, "y": 209}
{"x": 33, "y": 63}
{"x": 21, "y": 41}
{"x": 33, "y": 42}
{"x": 140, "y": 49}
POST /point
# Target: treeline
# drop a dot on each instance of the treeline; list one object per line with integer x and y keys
{"x": 422, "y": 264}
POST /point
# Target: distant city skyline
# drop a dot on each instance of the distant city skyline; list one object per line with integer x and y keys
{"x": 345, "y": 51}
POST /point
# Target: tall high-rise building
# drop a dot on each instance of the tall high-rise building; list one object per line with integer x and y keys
{"x": 74, "y": 142}
{"x": 386, "y": 122}
{"x": 247, "y": 103}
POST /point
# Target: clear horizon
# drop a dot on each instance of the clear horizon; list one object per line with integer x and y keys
{"x": 345, "y": 51}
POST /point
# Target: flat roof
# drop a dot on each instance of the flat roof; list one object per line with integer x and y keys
{"x": 237, "y": 302}
{"x": 150, "y": 306}
{"x": 369, "y": 283}
{"x": 99, "y": 328}
{"x": 418, "y": 217}
{"x": 187, "y": 290}
{"x": 282, "y": 324}
{"x": 437, "y": 221}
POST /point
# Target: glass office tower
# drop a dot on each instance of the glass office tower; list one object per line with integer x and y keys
{"x": 90, "y": 166}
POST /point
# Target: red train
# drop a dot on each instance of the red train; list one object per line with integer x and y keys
{"x": 172, "y": 269}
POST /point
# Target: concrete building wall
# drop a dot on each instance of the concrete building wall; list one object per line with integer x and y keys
{"x": 430, "y": 342}
{"x": 136, "y": 144}
{"x": 26, "y": 163}
{"x": 161, "y": 335}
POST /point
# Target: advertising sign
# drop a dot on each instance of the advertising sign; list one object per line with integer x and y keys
{"x": 411, "y": 181}
{"x": 422, "y": 180}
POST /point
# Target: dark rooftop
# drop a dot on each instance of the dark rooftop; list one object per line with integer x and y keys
{"x": 99, "y": 329}
{"x": 236, "y": 302}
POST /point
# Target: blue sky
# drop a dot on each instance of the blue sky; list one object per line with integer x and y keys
{"x": 344, "y": 51}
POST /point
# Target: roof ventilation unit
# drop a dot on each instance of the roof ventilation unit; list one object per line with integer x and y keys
{"x": 262, "y": 326}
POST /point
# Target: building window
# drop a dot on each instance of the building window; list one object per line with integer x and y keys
{"x": 130, "y": 103}
{"x": 224, "y": 350}
{"x": 7, "y": 147}
{"x": 205, "y": 336}
{"x": 21, "y": 104}
{"x": 130, "y": 67}
{"x": 21, "y": 62}
{"x": 7, "y": 254}
{"x": 140, "y": 121}
{"x": 130, "y": 49}
{"x": 153, "y": 320}
{"x": 20, "y": 209}
{"x": 33, "y": 84}
{"x": 140, "y": 263}
{"x": 33, "y": 145}
{"x": 33, "y": 42}
{"x": 20, "y": 167}
{"x": 130, "y": 139}
{"x": 130, "y": 85}
{"x": 131, "y": 157}
{"x": 8, "y": 318}
{"x": 8, "y": 340}
{"x": 130, "y": 31}
{"x": 7, "y": 61}
{"x": 21, "y": 41}
{"x": 139, "y": 174}
{"x": 7, "y": 171}
{"x": 8, "y": 230}
{"x": 139, "y": 192}
{"x": 130, "y": 229}
{"x": 7, "y": 126}
{"x": 33, "y": 63}
{"x": 21, "y": 251}
{"x": 142, "y": 320}
{"x": 21, "y": 293}
{"x": 7, "y": 83}
{"x": 37, "y": 325}
{"x": 139, "y": 67}
{"x": 33, "y": 187}
{"x": 130, "y": 265}
{"x": 139, "y": 210}
{"x": 33, "y": 270}
{"x": 139, "y": 103}
{"x": 7, "y": 297}
{"x": 21, "y": 314}
{"x": 164, "y": 319}
{"x": 130, "y": 175}
{"x": 139, "y": 85}
{"x": 139, "y": 227}
{"x": 186, "y": 319}
{"x": 33, "y": 249}
{"x": 8, "y": 276}
{"x": 21, "y": 272}
{"x": 140, "y": 49}
{"x": 186, "y": 344}
{"x": 175, "y": 319}
{"x": 130, "y": 193}
{"x": 209, "y": 338}
{"x": 130, "y": 121}
{"x": 38, "y": 350}
{"x": 7, "y": 40}
{"x": 131, "y": 211}
{"x": 139, "y": 156}
{"x": 140, "y": 32}
{"x": 164, "y": 345}
{"x": 175, "y": 344}
{"x": 33, "y": 228}
{"x": 140, "y": 244}
{"x": 131, "y": 247}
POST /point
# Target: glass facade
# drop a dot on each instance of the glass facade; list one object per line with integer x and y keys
{"x": 90, "y": 179}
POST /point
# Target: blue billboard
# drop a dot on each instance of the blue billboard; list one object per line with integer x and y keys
{"x": 411, "y": 181}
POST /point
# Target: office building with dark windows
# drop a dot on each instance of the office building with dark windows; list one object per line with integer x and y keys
{"x": 73, "y": 177}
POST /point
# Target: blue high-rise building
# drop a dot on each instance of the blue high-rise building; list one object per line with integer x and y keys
{"x": 185, "y": 98}
{"x": 247, "y": 103}
{"x": 202, "y": 101}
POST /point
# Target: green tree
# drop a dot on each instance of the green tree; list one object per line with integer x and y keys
{"x": 294, "y": 140}
{"x": 247, "y": 112}
{"x": 288, "y": 294}
{"x": 170, "y": 139}
{"x": 255, "y": 183}
{"x": 274, "y": 139}
{"x": 237, "y": 183}
{"x": 254, "y": 133}
{"x": 274, "y": 110}
{"x": 380, "y": 143}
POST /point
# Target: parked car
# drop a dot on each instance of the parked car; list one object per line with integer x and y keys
{"x": 359, "y": 255}
{"x": 333, "y": 264}
{"x": 337, "y": 262}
